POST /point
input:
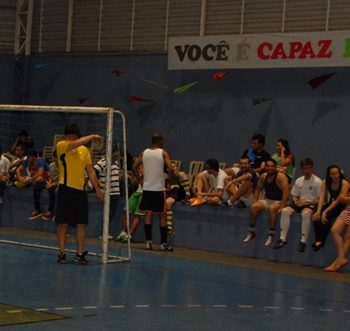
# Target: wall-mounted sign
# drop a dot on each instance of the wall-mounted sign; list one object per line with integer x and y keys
{"x": 318, "y": 49}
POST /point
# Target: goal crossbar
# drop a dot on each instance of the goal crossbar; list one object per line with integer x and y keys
{"x": 109, "y": 135}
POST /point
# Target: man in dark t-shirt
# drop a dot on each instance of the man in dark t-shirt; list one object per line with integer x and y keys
{"x": 256, "y": 153}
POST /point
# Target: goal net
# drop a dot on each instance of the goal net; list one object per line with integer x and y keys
{"x": 39, "y": 128}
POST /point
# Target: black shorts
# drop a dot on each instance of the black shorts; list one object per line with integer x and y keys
{"x": 153, "y": 201}
{"x": 72, "y": 206}
{"x": 177, "y": 194}
{"x": 298, "y": 210}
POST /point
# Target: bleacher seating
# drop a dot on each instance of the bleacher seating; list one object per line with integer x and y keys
{"x": 209, "y": 228}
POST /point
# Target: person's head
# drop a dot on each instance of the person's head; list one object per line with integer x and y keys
{"x": 307, "y": 167}
{"x": 283, "y": 144}
{"x": 212, "y": 166}
{"x": 244, "y": 164}
{"x": 257, "y": 142}
{"x": 271, "y": 167}
{"x": 333, "y": 174}
{"x": 157, "y": 140}
{"x": 174, "y": 167}
{"x": 32, "y": 156}
{"x": 20, "y": 150}
{"x": 72, "y": 130}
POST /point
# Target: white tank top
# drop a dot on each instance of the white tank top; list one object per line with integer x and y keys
{"x": 153, "y": 170}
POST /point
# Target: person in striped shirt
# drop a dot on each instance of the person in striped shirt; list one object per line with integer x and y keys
{"x": 101, "y": 171}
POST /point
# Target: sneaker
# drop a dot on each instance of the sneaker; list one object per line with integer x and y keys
{"x": 61, "y": 259}
{"x": 197, "y": 201}
{"x": 301, "y": 247}
{"x": 240, "y": 204}
{"x": 80, "y": 258}
{"x": 165, "y": 247}
{"x": 250, "y": 236}
{"x": 280, "y": 243}
{"x": 122, "y": 236}
{"x": 171, "y": 231}
{"x": 47, "y": 216}
{"x": 35, "y": 214}
{"x": 149, "y": 245}
{"x": 269, "y": 241}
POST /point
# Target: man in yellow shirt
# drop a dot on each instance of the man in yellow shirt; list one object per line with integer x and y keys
{"x": 72, "y": 203}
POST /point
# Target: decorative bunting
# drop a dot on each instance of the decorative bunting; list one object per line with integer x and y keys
{"x": 258, "y": 101}
{"x": 155, "y": 84}
{"x": 134, "y": 98}
{"x": 185, "y": 88}
{"x": 220, "y": 75}
{"x": 317, "y": 81}
{"x": 117, "y": 72}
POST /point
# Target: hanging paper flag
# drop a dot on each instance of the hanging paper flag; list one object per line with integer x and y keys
{"x": 258, "y": 101}
{"x": 185, "y": 88}
{"x": 155, "y": 84}
{"x": 40, "y": 66}
{"x": 117, "y": 72}
{"x": 133, "y": 98}
{"x": 220, "y": 75}
{"x": 317, "y": 81}
{"x": 82, "y": 100}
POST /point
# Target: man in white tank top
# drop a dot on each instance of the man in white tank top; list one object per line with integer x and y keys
{"x": 153, "y": 160}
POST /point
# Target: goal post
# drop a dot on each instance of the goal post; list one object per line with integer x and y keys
{"x": 109, "y": 134}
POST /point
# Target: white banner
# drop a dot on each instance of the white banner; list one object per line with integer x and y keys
{"x": 317, "y": 49}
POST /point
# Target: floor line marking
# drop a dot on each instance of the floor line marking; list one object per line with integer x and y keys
{"x": 219, "y": 306}
{"x": 117, "y": 306}
{"x": 142, "y": 306}
{"x": 14, "y": 311}
{"x": 63, "y": 308}
{"x": 41, "y": 309}
{"x": 245, "y": 306}
{"x": 326, "y": 309}
{"x": 346, "y": 310}
{"x": 297, "y": 308}
{"x": 168, "y": 306}
{"x": 193, "y": 306}
{"x": 272, "y": 307}
{"x": 90, "y": 307}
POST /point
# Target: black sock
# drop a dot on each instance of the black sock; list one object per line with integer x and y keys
{"x": 148, "y": 232}
{"x": 163, "y": 234}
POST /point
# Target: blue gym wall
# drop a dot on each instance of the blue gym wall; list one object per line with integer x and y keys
{"x": 213, "y": 119}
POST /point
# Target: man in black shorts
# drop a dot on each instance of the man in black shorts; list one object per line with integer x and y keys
{"x": 72, "y": 203}
{"x": 153, "y": 160}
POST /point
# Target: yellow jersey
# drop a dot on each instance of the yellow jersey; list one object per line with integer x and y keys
{"x": 71, "y": 164}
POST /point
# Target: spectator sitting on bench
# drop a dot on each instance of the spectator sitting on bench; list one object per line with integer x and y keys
{"x": 241, "y": 188}
{"x": 36, "y": 173}
{"x": 20, "y": 153}
{"x": 4, "y": 174}
{"x": 209, "y": 184}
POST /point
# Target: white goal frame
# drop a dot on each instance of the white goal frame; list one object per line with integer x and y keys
{"x": 109, "y": 112}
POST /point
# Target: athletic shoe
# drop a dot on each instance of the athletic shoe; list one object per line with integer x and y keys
{"x": 80, "y": 258}
{"x": 280, "y": 243}
{"x": 269, "y": 241}
{"x": 61, "y": 259}
{"x": 165, "y": 247}
{"x": 47, "y": 216}
{"x": 240, "y": 204}
{"x": 250, "y": 236}
{"x": 35, "y": 214}
{"x": 122, "y": 236}
{"x": 198, "y": 201}
{"x": 149, "y": 245}
{"x": 301, "y": 247}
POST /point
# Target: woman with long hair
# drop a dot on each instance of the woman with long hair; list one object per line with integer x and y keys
{"x": 329, "y": 206}
{"x": 284, "y": 158}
